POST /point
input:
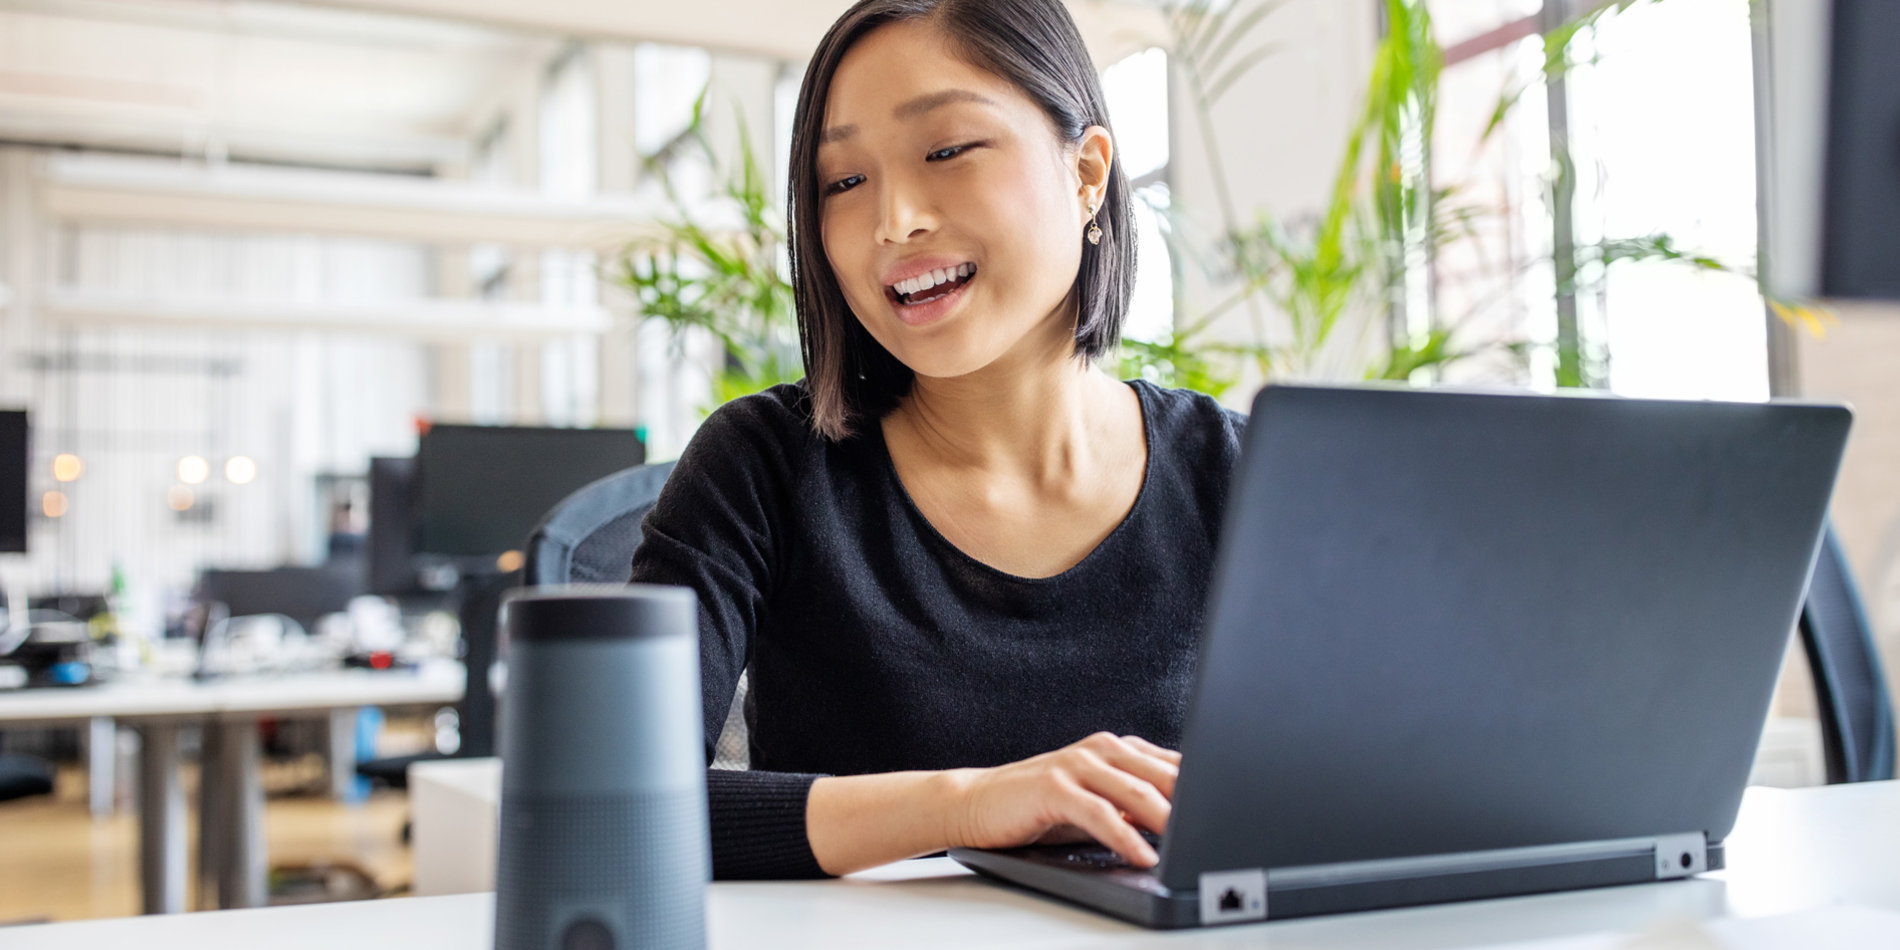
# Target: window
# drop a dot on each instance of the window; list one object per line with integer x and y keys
{"x": 1658, "y": 117}
{"x": 1663, "y": 131}
{"x": 667, "y": 83}
{"x": 1137, "y": 92}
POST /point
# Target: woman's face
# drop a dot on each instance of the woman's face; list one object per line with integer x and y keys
{"x": 950, "y": 212}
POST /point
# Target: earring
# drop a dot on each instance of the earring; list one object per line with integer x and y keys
{"x": 1095, "y": 231}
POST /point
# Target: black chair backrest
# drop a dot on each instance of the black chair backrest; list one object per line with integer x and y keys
{"x": 23, "y": 775}
{"x": 1857, "y": 732}
{"x": 589, "y": 538}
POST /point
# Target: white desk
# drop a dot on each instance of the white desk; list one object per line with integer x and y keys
{"x": 231, "y": 841}
{"x": 457, "y": 804}
{"x": 1803, "y": 852}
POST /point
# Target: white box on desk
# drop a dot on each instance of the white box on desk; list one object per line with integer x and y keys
{"x": 455, "y": 823}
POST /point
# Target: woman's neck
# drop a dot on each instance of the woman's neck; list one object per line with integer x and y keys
{"x": 1041, "y": 420}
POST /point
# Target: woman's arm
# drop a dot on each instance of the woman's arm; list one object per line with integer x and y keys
{"x": 715, "y": 530}
{"x": 1104, "y": 787}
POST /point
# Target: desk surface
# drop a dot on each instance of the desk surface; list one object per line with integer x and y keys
{"x": 237, "y": 696}
{"x": 1807, "y": 851}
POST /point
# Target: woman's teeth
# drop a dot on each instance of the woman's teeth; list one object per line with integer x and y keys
{"x": 923, "y": 282}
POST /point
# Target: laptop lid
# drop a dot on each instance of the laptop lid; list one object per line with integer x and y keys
{"x": 1446, "y": 622}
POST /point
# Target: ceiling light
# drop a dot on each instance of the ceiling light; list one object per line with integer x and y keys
{"x": 240, "y": 470}
{"x": 53, "y": 504}
{"x": 67, "y": 467}
{"x": 193, "y": 470}
{"x": 180, "y": 498}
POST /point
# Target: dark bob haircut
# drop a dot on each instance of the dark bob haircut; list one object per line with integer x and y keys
{"x": 1034, "y": 45}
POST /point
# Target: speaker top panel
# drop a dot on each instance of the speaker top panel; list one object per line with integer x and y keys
{"x": 600, "y": 612}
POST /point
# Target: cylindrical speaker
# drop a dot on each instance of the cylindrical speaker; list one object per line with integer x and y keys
{"x": 603, "y": 794}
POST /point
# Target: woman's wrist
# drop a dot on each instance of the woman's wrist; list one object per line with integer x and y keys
{"x": 858, "y": 821}
{"x": 950, "y": 796}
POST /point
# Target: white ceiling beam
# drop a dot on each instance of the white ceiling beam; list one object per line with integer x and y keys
{"x": 306, "y": 202}
{"x": 781, "y": 29}
{"x": 168, "y": 132}
{"x": 424, "y": 320}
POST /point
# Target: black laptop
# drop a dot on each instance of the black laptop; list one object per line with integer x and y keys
{"x": 1472, "y": 645}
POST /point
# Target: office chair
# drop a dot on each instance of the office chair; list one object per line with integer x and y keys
{"x": 590, "y": 537}
{"x": 21, "y": 775}
{"x": 24, "y": 775}
{"x": 1857, "y": 731}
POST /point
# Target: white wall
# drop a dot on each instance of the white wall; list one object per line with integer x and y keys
{"x": 130, "y": 401}
{"x": 308, "y": 403}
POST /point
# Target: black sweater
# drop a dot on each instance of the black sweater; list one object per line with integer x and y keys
{"x": 875, "y": 645}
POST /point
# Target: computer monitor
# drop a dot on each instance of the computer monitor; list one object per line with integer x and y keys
{"x": 15, "y": 456}
{"x": 80, "y": 607}
{"x": 479, "y": 490}
{"x": 304, "y": 594}
{"x": 1828, "y": 128}
{"x": 390, "y": 557}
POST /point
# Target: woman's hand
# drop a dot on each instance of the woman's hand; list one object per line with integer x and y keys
{"x": 1105, "y": 787}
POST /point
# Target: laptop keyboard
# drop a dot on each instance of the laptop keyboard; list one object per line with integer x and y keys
{"x": 1097, "y": 858}
{"x": 1100, "y": 859}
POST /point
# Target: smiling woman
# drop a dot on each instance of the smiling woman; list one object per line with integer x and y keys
{"x": 958, "y": 544}
{"x": 980, "y": 138}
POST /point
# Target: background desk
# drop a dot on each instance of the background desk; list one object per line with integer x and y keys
{"x": 231, "y": 805}
{"x": 1802, "y": 850}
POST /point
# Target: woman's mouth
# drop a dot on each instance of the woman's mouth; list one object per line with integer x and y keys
{"x": 925, "y": 297}
{"x": 927, "y": 287}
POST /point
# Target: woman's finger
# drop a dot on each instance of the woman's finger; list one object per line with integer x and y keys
{"x": 1142, "y": 801}
{"x": 1156, "y": 771}
{"x": 1104, "y": 823}
{"x": 1150, "y": 748}
{"x": 1133, "y": 757}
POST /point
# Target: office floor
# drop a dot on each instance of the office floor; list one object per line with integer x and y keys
{"x": 58, "y": 863}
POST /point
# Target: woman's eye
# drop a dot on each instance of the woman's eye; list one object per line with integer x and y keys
{"x": 843, "y": 184}
{"x": 943, "y": 154}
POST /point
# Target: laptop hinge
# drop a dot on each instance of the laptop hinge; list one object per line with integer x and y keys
{"x": 1232, "y": 896}
{"x": 1681, "y": 855}
{"x": 1461, "y": 862}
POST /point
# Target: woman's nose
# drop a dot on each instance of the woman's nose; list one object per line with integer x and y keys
{"x": 906, "y": 215}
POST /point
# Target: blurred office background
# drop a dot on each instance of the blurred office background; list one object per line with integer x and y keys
{"x": 246, "y": 246}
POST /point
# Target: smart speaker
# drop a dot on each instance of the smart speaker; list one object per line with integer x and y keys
{"x": 603, "y": 793}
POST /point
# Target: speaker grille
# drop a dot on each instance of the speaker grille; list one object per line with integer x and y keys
{"x": 637, "y": 862}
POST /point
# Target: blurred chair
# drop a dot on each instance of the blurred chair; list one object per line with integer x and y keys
{"x": 590, "y": 537}
{"x": 24, "y": 775}
{"x": 1857, "y": 731}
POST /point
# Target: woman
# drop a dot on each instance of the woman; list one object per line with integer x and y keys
{"x": 964, "y": 566}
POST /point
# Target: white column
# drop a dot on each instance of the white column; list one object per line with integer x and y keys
{"x": 619, "y": 170}
{"x": 524, "y": 268}
{"x": 450, "y": 376}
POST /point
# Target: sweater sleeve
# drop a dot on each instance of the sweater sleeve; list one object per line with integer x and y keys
{"x": 717, "y": 529}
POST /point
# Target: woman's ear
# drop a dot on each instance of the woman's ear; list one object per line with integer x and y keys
{"x": 1094, "y": 156}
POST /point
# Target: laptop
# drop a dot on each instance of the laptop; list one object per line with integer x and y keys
{"x": 1465, "y": 645}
